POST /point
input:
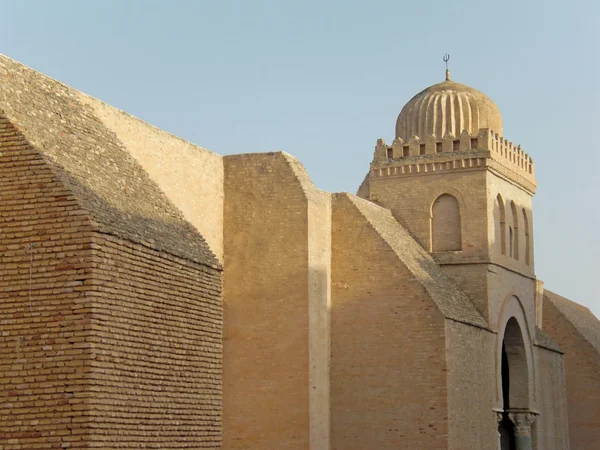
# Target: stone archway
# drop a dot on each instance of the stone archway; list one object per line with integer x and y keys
{"x": 516, "y": 419}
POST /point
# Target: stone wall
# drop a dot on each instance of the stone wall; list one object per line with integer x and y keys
{"x": 577, "y": 332}
{"x": 45, "y": 342}
{"x": 410, "y": 198}
{"x": 157, "y": 340}
{"x": 388, "y": 369}
{"x": 104, "y": 342}
{"x": 550, "y": 431}
{"x": 190, "y": 176}
{"x": 409, "y": 187}
{"x": 523, "y": 200}
{"x": 98, "y": 168}
{"x": 471, "y": 362}
{"x": 276, "y": 293}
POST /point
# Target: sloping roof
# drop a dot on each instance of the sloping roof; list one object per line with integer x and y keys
{"x": 452, "y": 302}
{"x": 580, "y": 317}
{"x": 543, "y": 340}
{"x": 94, "y": 164}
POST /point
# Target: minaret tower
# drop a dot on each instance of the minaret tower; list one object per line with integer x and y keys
{"x": 463, "y": 191}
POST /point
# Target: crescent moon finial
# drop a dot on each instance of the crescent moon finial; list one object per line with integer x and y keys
{"x": 446, "y": 58}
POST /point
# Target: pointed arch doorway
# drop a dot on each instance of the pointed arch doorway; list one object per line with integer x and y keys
{"x": 516, "y": 419}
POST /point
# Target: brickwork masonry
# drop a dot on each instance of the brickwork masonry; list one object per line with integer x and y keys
{"x": 104, "y": 343}
{"x": 431, "y": 155}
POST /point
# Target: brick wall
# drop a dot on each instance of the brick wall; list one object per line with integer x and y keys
{"x": 388, "y": 366}
{"x": 582, "y": 369}
{"x": 471, "y": 361}
{"x": 550, "y": 431}
{"x": 410, "y": 199}
{"x": 157, "y": 327}
{"x": 172, "y": 163}
{"x": 266, "y": 285}
{"x": 111, "y": 344}
{"x": 45, "y": 341}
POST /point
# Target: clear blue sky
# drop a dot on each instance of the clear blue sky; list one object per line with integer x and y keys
{"x": 324, "y": 79}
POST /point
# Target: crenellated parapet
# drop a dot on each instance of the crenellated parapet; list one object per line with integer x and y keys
{"x": 467, "y": 151}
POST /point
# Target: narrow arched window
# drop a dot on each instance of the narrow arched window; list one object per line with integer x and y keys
{"x": 501, "y": 225}
{"x": 515, "y": 226}
{"x": 527, "y": 240}
{"x": 510, "y": 241}
{"x": 445, "y": 224}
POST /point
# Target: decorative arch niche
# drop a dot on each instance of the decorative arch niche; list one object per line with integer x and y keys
{"x": 527, "y": 238}
{"x": 445, "y": 224}
{"x": 501, "y": 224}
{"x": 514, "y": 241}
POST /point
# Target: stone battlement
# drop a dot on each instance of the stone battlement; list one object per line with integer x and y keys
{"x": 449, "y": 153}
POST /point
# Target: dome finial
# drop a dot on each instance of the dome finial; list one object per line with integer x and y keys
{"x": 446, "y": 58}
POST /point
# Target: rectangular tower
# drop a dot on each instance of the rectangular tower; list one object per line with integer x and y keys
{"x": 467, "y": 201}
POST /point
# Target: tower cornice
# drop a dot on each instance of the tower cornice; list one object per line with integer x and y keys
{"x": 487, "y": 151}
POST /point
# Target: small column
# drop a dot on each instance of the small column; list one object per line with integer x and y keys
{"x": 499, "y": 419}
{"x": 522, "y": 421}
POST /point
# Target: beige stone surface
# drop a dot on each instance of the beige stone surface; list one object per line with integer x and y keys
{"x": 277, "y": 244}
{"x": 95, "y": 165}
{"x": 190, "y": 176}
{"x": 387, "y": 393}
{"x": 577, "y": 332}
{"x": 550, "y": 430}
{"x": 343, "y": 322}
{"x": 471, "y": 365}
{"x": 104, "y": 343}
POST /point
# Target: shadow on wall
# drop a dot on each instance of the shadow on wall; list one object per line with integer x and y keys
{"x": 388, "y": 367}
{"x": 177, "y": 237}
{"x": 512, "y": 233}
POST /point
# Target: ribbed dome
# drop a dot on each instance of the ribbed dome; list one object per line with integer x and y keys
{"x": 447, "y": 107}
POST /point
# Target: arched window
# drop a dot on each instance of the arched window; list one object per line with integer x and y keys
{"x": 445, "y": 224}
{"x": 527, "y": 242}
{"x": 501, "y": 227}
{"x": 515, "y": 233}
{"x": 510, "y": 241}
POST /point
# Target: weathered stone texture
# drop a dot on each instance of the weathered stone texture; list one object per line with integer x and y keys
{"x": 344, "y": 325}
{"x": 157, "y": 340}
{"x": 190, "y": 176}
{"x": 451, "y": 301}
{"x": 550, "y": 431}
{"x": 44, "y": 312}
{"x": 94, "y": 164}
{"x": 387, "y": 392}
{"x": 105, "y": 342}
{"x": 471, "y": 365}
{"x": 510, "y": 192}
{"x": 411, "y": 197}
{"x": 275, "y": 285}
{"x": 577, "y": 332}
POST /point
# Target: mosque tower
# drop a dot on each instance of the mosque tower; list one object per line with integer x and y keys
{"x": 464, "y": 192}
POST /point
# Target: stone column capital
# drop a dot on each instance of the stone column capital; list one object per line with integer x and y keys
{"x": 522, "y": 422}
{"x": 499, "y": 416}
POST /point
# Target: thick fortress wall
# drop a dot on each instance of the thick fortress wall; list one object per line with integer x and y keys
{"x": 190, "y": 176}
{"x": 98, "y": 331}
{"x": 46, "y": 260}
{"x": 470, "y": 354}
{"x": 157, "y": 349}
{"x": 550, "y": 430}
{"x": 276, "y": 299}
{"x": 577, "y": 332}
{"x": 387, "y": 392}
